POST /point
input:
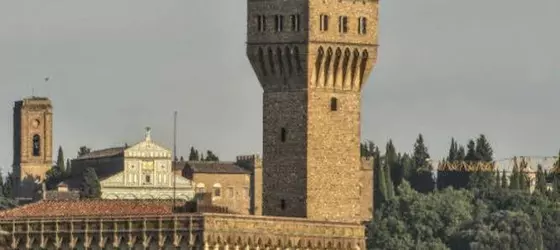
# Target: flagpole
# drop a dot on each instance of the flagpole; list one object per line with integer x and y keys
{"x": 174, "y": 155}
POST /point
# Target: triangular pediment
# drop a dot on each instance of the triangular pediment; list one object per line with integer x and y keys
{"x": 147, "y": 149}
{"x": 116, "y": 179}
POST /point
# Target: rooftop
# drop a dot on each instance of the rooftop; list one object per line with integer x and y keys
{"x": 63, "y": 208}
{"x": 214, "y": 167}
{"x": 108, "y": 152}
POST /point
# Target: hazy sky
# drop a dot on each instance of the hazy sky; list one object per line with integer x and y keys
{"x": 445, "y": 68}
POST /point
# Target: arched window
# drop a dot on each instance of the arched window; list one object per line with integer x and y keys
{"x": 36, "y": 145}
{"x": 200, "y": 188}
{"x": 283, "y": 204}
{"x": 283, "y": 135}
{"x": 334, "y": 104}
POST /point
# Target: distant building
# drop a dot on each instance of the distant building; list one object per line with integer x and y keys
{"x": 227, "y": 183}
{"x": 142, "y": 171}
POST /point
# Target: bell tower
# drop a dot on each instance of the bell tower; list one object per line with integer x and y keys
{"x": 312, "y": 58}
{"x": 32, "y": 144}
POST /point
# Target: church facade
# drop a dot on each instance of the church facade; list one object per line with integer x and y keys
{"x": 141, "y": 171}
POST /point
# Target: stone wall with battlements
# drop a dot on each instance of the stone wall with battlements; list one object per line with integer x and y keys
{"x": 253, "y": 163}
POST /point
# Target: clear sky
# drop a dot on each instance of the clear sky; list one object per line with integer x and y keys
{"x": 445, "y": 68}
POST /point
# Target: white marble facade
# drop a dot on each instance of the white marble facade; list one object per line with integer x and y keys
{"x": 148, "y": 174}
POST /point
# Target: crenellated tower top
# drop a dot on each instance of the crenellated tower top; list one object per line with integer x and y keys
{"x": 312, "y": 44}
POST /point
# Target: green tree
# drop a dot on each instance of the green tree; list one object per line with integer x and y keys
{"x": 210, "y": 156}
{"x": 83, "y": 151}
{"x": 367, "y": 149}
{"x": 90, "y": 187}
{"x": 54, "y": 176}
{"x": 501, "y": 230}
{"x": 60, "y": 160}
{"x": 504, "y": 180}
{"x": 391, "y": 166}
{"x": 515, "y": 177}
{"x": 540, "y": 184}
{"x": 524, "y": 183}
{"x": 471, "y": 152}
{"x": 193, "y": 155}
{"x": 484, "y": 151}
{"x": 380, "y": 183}
{"x": 422, "y": 178}
{"x": 453, "y": 154}
{"x": 68, "y": 166}
{"x": 7, "y": 188}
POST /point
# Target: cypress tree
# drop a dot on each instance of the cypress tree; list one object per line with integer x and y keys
{"x": 461, "y": 153}
{"x": 389, "y": 186}
{"x": 498, "y": 179}
{"x": 68, "y": 166}
{"x": 380, "y": 191}
{"x": 422, "y": 178}
{"x": 392, "y": 164}
{"x": 60, "y": 160}
{"x": 504, "y": 181}
{"x": 471, "y": 152}
{"x": 193, "y": 155}
{"x": 514, "y": 182}
{"x": 453, "y": 151}
{"x": 523, "y": 178}
{"x": 541, "y": 180}
{"x": 483, "y": 150}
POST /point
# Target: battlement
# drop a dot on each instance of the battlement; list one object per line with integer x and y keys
{"x": 252, "y": 157}
{"x": 249, "y": 161}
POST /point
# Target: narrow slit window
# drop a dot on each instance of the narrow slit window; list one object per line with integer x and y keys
{"x": 279, "y": 22}
{"x": 283, "y": 134}
{"x": 283, "y": 204}
{"x": 334, "y": 104}
{"x": 258, "y": 19}
{"x": 295, "y": 22}
{"x": 362, "y": 25}
{"x": 324, "y": 22}
{"x": 263, "y": 23}
{"x": 343, "y": 24}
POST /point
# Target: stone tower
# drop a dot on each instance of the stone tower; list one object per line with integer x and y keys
{"x": 32, "y": 144}
{"x": 312, "y": 58}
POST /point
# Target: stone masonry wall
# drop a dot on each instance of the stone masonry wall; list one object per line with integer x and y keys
{"x": 234, "y": 192}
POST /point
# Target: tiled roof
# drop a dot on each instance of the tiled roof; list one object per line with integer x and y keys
{"x": 90, "y": 208}
{"x": 62, "y": 195}
{"x": 216, "y": 167}
{"x": 108, "y": 152}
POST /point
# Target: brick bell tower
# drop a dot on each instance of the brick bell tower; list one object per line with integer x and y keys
{"x": 312, "y": 58}
{"x": 32, "y": 144}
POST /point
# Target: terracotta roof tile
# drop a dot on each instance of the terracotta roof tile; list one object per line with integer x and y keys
{"x": 90, "y": 208}
{"x": 216, "y": 167}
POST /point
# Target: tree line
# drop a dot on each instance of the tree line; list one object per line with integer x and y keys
{"x": 415, "y": 209}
